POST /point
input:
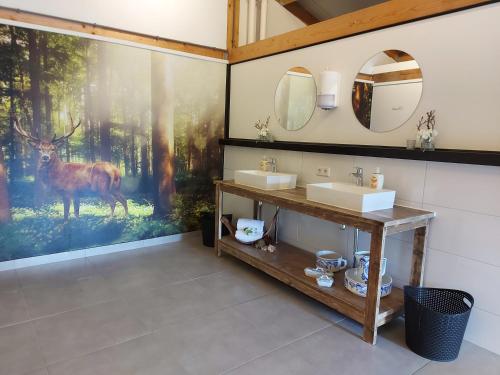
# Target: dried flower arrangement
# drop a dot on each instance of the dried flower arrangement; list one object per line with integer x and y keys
{"x": 426, "y": 127}
{"x": 426, "y": 130}
{"x": 263, "y": 131}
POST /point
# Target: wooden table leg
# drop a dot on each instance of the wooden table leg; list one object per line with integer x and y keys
{"x": 218, "y": 215}
{"x": 276, "y": 225}
{"x": 418, "y": 258}
{"x": 374, "y": 282}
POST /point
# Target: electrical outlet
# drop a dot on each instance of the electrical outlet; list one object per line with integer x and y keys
{"x": 323, "y": 172}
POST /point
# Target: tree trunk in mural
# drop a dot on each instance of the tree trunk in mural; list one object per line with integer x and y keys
{"x": 46, "y": 93}
{"x": 14, "y": 164}
{"x": 133, "y": 151}
{"x": 104, "y": 106}
{"x": 144, "y": 184}
{"x": 34, "y": 74}
{"x": 162, "y": 134}
{"x": 126, "y": 156}
{"x": 4, "y": 195}
{"x": 88, "y": 119}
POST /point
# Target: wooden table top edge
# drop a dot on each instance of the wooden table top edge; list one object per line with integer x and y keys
{"x": 380, "y": 217}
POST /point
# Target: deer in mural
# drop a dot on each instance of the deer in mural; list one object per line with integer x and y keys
{"x": 71, "y": 179}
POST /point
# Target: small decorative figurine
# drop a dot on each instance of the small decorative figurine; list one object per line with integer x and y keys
{"x": 426, "y": 131}
{"x": 263, "y": 131}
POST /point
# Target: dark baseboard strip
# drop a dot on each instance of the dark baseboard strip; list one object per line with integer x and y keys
{"x": 438, "y": 155}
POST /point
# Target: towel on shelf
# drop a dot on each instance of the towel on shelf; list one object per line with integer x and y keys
{"x": 256, "y": 226}
{"x": 246, "y": 237}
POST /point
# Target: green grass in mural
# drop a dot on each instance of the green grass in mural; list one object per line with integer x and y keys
{"x": 44, "y": 231}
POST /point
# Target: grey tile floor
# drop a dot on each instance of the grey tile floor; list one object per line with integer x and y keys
{"x": 178, "y": 309}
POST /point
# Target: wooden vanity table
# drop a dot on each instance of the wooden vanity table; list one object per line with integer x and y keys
{"x": 287, "y": 263}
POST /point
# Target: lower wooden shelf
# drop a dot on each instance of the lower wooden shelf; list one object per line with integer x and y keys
{"x": 287, "y": 264}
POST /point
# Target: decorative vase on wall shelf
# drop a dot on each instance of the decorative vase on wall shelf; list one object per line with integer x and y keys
{"x": 427, "y": 145}
{"x": 266, "y": 138}
{"x": 263, "y": 132}
{"x": 426, "y": 131}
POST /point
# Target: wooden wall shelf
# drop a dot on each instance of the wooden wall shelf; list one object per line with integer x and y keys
{"x": 288, "y": 262}
{"x": 440, "y": 155}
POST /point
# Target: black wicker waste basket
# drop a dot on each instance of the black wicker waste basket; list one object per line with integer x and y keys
{"x": 435, "y": 321}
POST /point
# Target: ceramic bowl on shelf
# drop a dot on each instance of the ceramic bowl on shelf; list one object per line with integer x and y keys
{"x": 330, "y": 260}
{"x": 355, "y": 284}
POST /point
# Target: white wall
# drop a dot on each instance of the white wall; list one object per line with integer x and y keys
{"x": 462, "y": 83}
{"x": 195, "y": 21}
{"x": 279, "y": 20}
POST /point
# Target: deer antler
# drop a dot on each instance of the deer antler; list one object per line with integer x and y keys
{"x": 23, "y": 133}
{"x": 66, "y": 136}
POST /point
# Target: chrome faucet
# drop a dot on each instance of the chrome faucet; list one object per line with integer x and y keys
{"x": 358, "y": 175}
{"x": 272, "y": 162}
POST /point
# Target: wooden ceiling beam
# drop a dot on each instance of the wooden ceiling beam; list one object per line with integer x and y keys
{"x": 233, "y": 24}
{"x": 398, "y": 75}
{"x": 299, "y": 69}
{"x": 383, "y": 15}
{"x": 92, "y": 29}
{"x": 300, "y": 12}
{"x": 286, "y": 2}
{"x": 398, "y": 56}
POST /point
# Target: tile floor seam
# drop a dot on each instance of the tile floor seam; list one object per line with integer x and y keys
{"x": 275, "y": 349}
{"x": 47, "y": 363}
{"x": 317, "y": 315}
{"x": 128, "y": 340}
{"x": 143, "y": 335}
{"x": 72, "y": 358}
{"x": 48, "y": 316}
{"x": 256, "y": 326}
{"x": 39, "y": 346}
{"x": 33, "y": 319}
{"x": 25, "y": 303}
{"x": 422, "y": 367}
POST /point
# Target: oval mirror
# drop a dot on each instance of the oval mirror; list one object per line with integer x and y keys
{"x": 295, "y": 98}
{"x": 387, "y": 90}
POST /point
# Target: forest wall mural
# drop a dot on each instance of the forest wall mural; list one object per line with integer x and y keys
{"x": 102, "y": 143}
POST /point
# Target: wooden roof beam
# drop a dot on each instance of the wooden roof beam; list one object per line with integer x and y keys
{"x": 299, "y": 11}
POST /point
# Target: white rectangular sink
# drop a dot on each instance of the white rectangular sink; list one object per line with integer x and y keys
{"x": 265, "y": 180}
{"x": 350, "y": 196}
